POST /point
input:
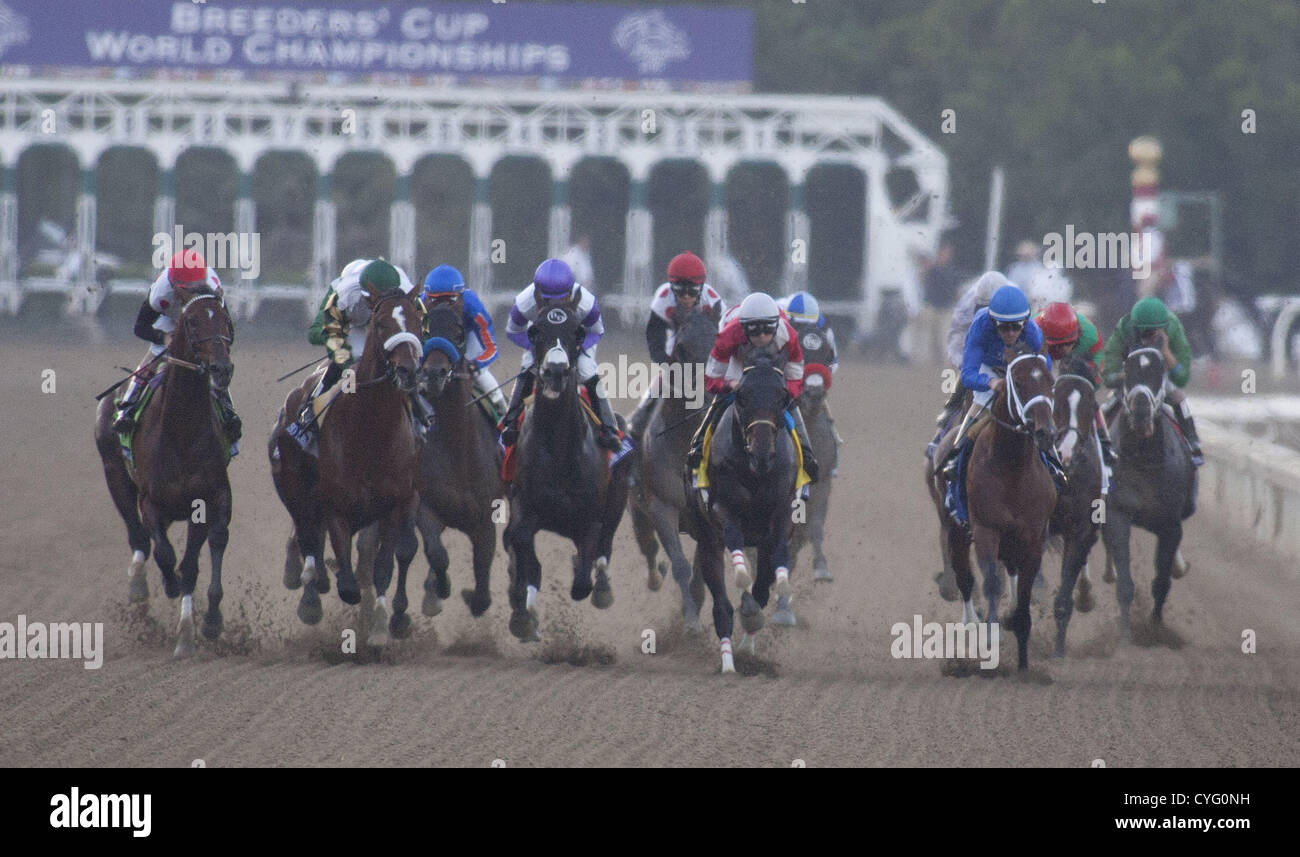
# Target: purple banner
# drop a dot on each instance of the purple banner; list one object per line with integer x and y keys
{"x": 512, "y": 39}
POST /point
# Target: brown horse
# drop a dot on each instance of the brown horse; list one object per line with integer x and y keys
{"x": 1011, "y": 495}
{"x": 178, "y": 470}
{"x": 367, "y": 470}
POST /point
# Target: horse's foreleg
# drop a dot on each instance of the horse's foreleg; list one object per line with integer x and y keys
{"x": 1022, "y": 618}
{"x": 587, "y": 546}
{"x": 666, "y": 517}
{"x": 194, "y": 540}
{"x": 1166, "y": 555}
{"x": 437, "y": 585}
{"x": 163, "y": 552}
{"x": 382, "y": 577}
{"x": 404, "y": 550}
{"x": 1115, "y": 533}
{"x": 218, "y": 537}
{"x": 779, "y": 559}
{"x": 483, "y": 541}
{"x": 733, "y": 540}
{"x": 644, "y": 530}
{"x": 986, "y": 556}
{"x": 959, "y": 550}
{"x": 818, "y": 508}
{"x": 525, "y": 578}
{"x": 708, "y": 564}
{"x": 341, "y": 543}
{"x": 1072, "y": 563}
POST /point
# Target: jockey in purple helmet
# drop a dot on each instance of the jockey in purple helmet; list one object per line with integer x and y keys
{"x": 553, "y": 285}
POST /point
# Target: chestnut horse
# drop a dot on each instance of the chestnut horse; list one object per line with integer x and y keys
{"x": 367, "y": 470}
{"x": 179, "y": 456}
{"x": 1010, "y": 496}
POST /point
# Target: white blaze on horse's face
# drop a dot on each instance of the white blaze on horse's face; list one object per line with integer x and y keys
{"x": 1066, "y": 446}
{"x": 556, "y": 359}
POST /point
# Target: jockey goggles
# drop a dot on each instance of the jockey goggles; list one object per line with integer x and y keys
{"x": 1011, "y": 325}
{"x": 765, "y": 325}
{"x": 686, "y": 288}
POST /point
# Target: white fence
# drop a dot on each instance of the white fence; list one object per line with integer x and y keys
{"x": 1252, "y": 485}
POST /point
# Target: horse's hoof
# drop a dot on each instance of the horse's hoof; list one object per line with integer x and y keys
{"x": 655, "y": 576}
{"x": 322, "y": 580}
{"x": 443, "y": 584}
{"x": 784, "y": 616}
{"x": 431, "y": 605}
{"x": 523, "y": 626}
{"x": 292, "y": 567}
{"x": 184, "y": 649}
{"x": 1157, "y": 618}
{"x": 349, "y": 589}
{"x": 692, "y": 623}
{"x": 378, "y": 637}
{"x": 477, "y": 606}
{"x": 783, "y": 588}
{"x": 1059, "y": 651}
{"x": 1084, "y": 602}
{"x": 751, "y": 615}
{"x": 1180, "y": 567}
{"x": 602, "y": 598}
{"x": 822, "y": 573}
{"x": 1108, "y": 575}
{"x": 400, "y": 625}
{"x": 948, "y": 590}
{"x": 309, "y": 609}
{"x": 212, "y": 626}
{"x": 580, "y": 589}
{"x": 171, "y": 587}
{"x": 137, "y": 591}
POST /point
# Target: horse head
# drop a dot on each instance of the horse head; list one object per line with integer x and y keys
{"x": 761, "y": 399}
{"x": 444, "y": 349}
{"x": 697, "y": 330}
{"x": 1144, "y": 388}
{"x": 390, "y": 340}
{"x": 1074, "y": 407}
{"x": 556, "y": 337}
{"x": 204, "y": 336}
{"x": 1027, "y": 398}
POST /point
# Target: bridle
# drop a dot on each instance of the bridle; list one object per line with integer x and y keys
{"x": 402, "y": 337}
{"x": 1061, "y": 434}
{"x": 187, "y": 324}
{"x": 1155, "y": 397}
{"x": 749, "y": 427}
{"x": 1020, "y": 409}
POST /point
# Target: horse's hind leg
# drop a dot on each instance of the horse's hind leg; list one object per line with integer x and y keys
{"x": 1166, "y": 550}
{"x": 163, "y": 552}
{"x": 644, "y": 530}
{"x": 437, "y": 586}
{"x": 666, "y": 517}
{"x": 986, "y": 555}
{"x": 1022, "y": 618}
{"x": 125, "y": 498}
{"x": 218, "y": 537}
{"x": 383, "y": 576}
{"x": 708, "y": 565}
{"x": 1115, "y": 533}
{"x": 341, "y": 542}
{"x": 198, "y": 534}
{"x": 1072, "y": 562}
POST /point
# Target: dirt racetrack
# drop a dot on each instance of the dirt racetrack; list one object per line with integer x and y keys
{"x": 464, "y": 692}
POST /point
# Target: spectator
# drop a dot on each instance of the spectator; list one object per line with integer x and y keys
{"x": 939, "y": 285}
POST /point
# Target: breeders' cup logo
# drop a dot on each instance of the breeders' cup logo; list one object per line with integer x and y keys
{"x": 811, "y": 342}
{"x": 557, "y": 316}
{"x": 651, "y": 41}
{"x": 13, "y": 29}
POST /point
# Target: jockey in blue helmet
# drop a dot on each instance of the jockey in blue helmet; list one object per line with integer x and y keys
{"x": 995, "y": 333}
{"x": 481, "y": 348}
{"x": 553, "y": 285}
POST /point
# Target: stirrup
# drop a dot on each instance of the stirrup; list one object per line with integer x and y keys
{"x": 123, "y": 423}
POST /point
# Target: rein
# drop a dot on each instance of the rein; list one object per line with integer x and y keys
{"x": 1013, "y": 397}
{"x": 1156, "y": 397}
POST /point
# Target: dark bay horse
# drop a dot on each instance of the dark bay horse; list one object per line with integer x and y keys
{"x": 1155, "y": 483}
{"x": 460, "y": 467}
{"x": 1011, "y": 496}
{"x": 367, "y": 470}
{"x": 179, "y": 459}
{"x": 562, "y": 482}
{"x": 1077, "y": 517}
{"x": 749, "y": 502}
{"x": 661, "y": 491}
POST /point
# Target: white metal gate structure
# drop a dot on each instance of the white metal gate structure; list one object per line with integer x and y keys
{"x": 480, "y": 126}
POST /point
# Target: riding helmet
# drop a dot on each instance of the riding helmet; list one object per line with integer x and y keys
{"x": 988, "y": 283}
{"x": 380, "y": 277}
{"x": 686, "y": 267}
{"x": 1059, "y": 323}
{"x": 802, "y": 307}
{"x": 553, "y": 279}
{"x": 1009, "y": 304}
{"x": 443, "y": 279}
{"x": 1150, "y": 313}
{"x": 758, "y": 312}
{"x": 187, "y": 268}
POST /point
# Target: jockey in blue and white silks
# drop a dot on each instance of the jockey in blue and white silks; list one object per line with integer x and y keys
{"x": 553, "y": 285}
{"x": 480, "y": 337}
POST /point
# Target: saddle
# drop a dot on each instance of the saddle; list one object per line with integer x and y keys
{"x": 509, "y": 464}
{"x": 701, "y": 480}
{"x": 126, "y": 441}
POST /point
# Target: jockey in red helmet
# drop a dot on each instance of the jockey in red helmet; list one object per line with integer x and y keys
{"x": 187, "y": 275}
{"x": 1068, "y": 334}
{"x": 684, "y": 290}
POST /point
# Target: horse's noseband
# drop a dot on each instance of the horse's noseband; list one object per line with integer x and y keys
{"x": 1022, "y": 408}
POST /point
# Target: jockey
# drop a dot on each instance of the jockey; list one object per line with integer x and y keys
{"x": 187, "y": 275}
{"x": 481, "y": 349}
{"x": 995, "y": 331}
{"x": 685, "y": 289}
{"x": 1068, "y": 334}
{"x": 1151, "y": 324}
{"x": 759, "y": 325}
{"x": 974, "y": 299}
{"x": 342, "y": 321}
{"x": 553, "y": 285}
{"x": 816, "y": 338}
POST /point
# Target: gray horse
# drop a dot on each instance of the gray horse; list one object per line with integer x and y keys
{"x": 661, "y": 492}
{"x": 825, "y": 444}
{"x": 1155, "y": 483}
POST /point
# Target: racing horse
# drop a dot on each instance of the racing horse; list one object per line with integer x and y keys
{"x": 661, "y": 490}
{"x": 1155, "y": 482}
{"x": 178, "y": 465}
{"x": 1076, "y": 519}
{"x": 366, "y": 472}
{"x": 563, "y": 482}
{"x": 825, "y": 443}
{"x": 460, "y": 466}
{"x": 1011, "y": 495}
{"x": 751, "y": 470}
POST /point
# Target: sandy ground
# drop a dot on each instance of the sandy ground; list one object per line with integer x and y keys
{"x": 464, "y": 692}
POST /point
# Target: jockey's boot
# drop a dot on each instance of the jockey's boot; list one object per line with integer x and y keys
{"x": 1107, "y": 448}
{"x": 1056, "y": 467}
{"x": 949, "y": 464}
{"x": 123, "y": 422}
{"x": 307, "y": 414}
{"x": 231, "y": 424}
{"x": 608, "y": 438}
{"x": 486, "y": 384}
{"x": 1188, "y": 427}
{"x": 509, "y": 426}
{"x": 716, "y": 406}
{"x": 421, "y": 412}
{"x": 801, "y": 431}
{"x": 950, "y": 407}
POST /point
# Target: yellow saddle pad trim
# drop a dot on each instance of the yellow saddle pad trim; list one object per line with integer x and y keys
{"x": 702, "y": 474}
